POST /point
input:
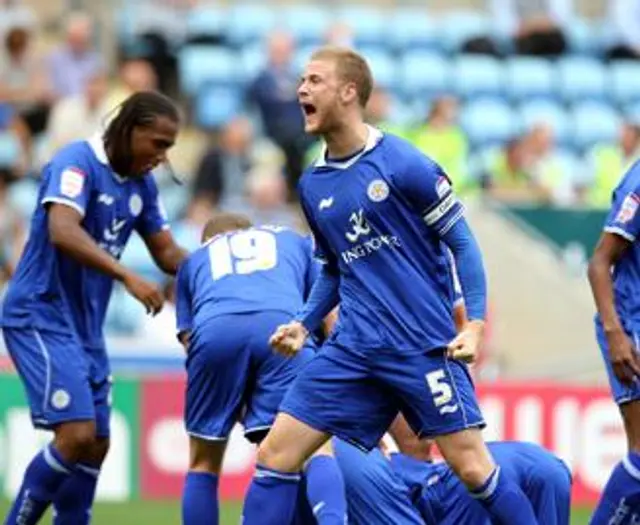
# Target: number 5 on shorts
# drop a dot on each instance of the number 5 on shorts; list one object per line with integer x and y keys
{"x": 440, "y": 390}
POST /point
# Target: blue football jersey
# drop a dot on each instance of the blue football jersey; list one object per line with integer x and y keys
{"x": 624, "y": 220}
{"x": 265, "y": 268}
{"x": 378, "y": 219}
{"x": 51, "y": 291}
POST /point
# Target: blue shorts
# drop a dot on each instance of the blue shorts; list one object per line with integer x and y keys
{"x": 64, "y": 380}
{"x": 233, "y": 375}
{"x": 621, "y": 393}
{"x": 356, "y": 398}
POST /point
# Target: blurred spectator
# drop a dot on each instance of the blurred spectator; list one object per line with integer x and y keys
{"x": 340, "y": 34}
{"x": 12, "y": 227}
{"x": 15, "y": 14}
{"x": 535, "y": 25}
{"x": 442, "y": 139}
{"x": 15, "y": 142}
{"x": 188, "y": 230}
{"x": 221, "y": 176}
{"x": 135, "y": 75}
{"x": 608, "y": 162}
{"x": 274, "y": 93}
{"x": 624, "y": 20}
{"x": 79, "y": 116}
{"x": 71, "y": 65}
{"x": 23, "y": 80}
{"x": 267, "y": 199}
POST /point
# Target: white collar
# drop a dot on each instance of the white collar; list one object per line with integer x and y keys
{"x": 373, "y": 138}
{"x": 96, "y": 143}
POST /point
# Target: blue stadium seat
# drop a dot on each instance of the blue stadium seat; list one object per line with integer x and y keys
{"x": 215, "y": 106}
{"x": 206, "y": 20}
{"x": 585, "y": 37}
{"x": 424, "y": 74}
{"x": 455, "y": 28}
{"x": 254, "y": 60}
{"x": 136, "y": 256}
{"x": 411, "y": 29}
{"x": 369, "y": 25}
{"x": 302, "y": 56}
{"x": 594, "y": 123}
{"x": 582, "y": 78}
{"x": 383, "y": 67}
{"x": 488, "y": 122}
{"x": 475, "y": 75}
{"x": 624, "y": 79}
{"x": 549, "y": 113}
{"x": 23, "y": 195}
{"x": 10, "y": 149}
{"x": 124, "y": 313}
{"x": 200, "y": 64}
{"x": 250, "y": 22}
{"x": 632, "y": 113}
{"x": 175, "y": 199}
{"x": 529, "y": 78}
{"x": 307, "y": 23}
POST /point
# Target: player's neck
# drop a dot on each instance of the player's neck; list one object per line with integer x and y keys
{"x": 346, "y": 140}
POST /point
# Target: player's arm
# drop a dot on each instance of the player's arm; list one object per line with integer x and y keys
{"x": 166, "y": 253}
{"x": 621, "y": 229}
{"x": 459, "y": 310}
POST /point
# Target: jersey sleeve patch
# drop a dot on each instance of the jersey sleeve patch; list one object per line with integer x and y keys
{"x": 628, "y": 209}
{"x": 72, "y": 181}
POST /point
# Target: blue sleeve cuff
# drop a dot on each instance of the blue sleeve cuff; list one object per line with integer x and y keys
{"x": 322, "y": 299}
{"x": 468, "y": 262}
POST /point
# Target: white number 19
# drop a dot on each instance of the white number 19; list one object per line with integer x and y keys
{"x": 243, "y": 253}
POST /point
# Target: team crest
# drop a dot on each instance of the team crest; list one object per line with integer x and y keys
{"x": 628, "y": 209}
{"x": 71, "y": 182}
{"x": 135, "y": 204}
{"x": 378, "y": 190}
{"x": 60, "y": 399}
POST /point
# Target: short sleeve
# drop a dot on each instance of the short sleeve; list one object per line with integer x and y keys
{"x": 184, "y": 317}
{"x": 153, "y": 217}
{"x": 67, "y": 181}
{"x": 623, "y": 218}
{"x": 428, "y": 189}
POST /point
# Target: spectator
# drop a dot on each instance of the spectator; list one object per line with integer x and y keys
{"x": 221, "y": 176}
{"x": 12, "y": 227}
{"x": 23, "y": 80}
{"x": 273, "y": 92}
{"x": 135, "y": 75}
{"x": 15, "y": 14}
{"x": 608, "y": 162}
{"x": 624, "y": 20}
{"x": 442, "y": 139}
{"x": 534, "y": 25}
{"x": 15, "y": 142}
{"x": 75, "y": 61}
{"x": 79, "y": 116}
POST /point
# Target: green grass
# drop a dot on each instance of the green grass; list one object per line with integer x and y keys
{"x": 168, "y": 513}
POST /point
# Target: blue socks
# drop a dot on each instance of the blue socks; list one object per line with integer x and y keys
{"x": 504, "y": 501}
{"x": 44, "y": 476}
{"x": 271, "y": 498}
{"x": 620, "y": 500}
{"x": 72, "y": 503}
{"x": 326, "y": 491}
{"x": 200, "y": 499}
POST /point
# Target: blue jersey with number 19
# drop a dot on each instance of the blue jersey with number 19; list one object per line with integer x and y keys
{"x": 265, "y": 268}
{"x": 378, "y": 219}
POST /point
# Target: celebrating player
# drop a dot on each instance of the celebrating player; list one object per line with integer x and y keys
{"x": 617, "y": 322}
{"x": 93, "y": 195}
{"x": 232, "y": 293}
{"x": 381, "y": 214}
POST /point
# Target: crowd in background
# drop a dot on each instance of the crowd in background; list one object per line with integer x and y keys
{"x": 51, "y": 95}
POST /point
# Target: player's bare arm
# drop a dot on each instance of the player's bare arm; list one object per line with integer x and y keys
{"x": 166, "y": 253}
{"x": 622, "y": 351}
{"x": 68, "y": 236}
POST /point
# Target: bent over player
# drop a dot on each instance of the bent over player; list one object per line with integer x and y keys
{"x": 382, "y": 215}
{"x": 93, "y": 195}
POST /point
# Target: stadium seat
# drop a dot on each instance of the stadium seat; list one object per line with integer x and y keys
{"x": 369, "y": 25}
{"x": 383, "y": 67}
{"x": 581, "y": 78}
{"x": 10, "y": 149}
{"x": 136, "y": 256}
{"x": 631, "y": 113}
{"x": 584, "y": 37}
{"x": 488, "y": 122}
{"x": 624, "y": 79}
{"x": 529, "y": 78}
{"x": 206, "y": 20}
{"x": 424, "y": 74}
{"x": 214, "y": 106}
{"x": 175, "y": 199}
{"x": 412, "y": 29}
{"x": 254, "y": 59}
{"x": 200, "y": 64}
{"x": 475, "y": 75}
{"x": 307, "y": 23}
{"x": 250, "y": 22}
{"x": 23, "y": 196}
{"x": 594, "y": 123}
{"x": 455, "y": 28}
{"x": 549, "y": 113}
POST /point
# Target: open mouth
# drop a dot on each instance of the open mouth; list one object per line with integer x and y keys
{"x": 308, "y": 109}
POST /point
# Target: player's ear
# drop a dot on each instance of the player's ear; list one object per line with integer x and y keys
{"x": 349, "y": 93}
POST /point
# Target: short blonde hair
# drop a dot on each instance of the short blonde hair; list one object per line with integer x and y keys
{"x": 351, "y": 67}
